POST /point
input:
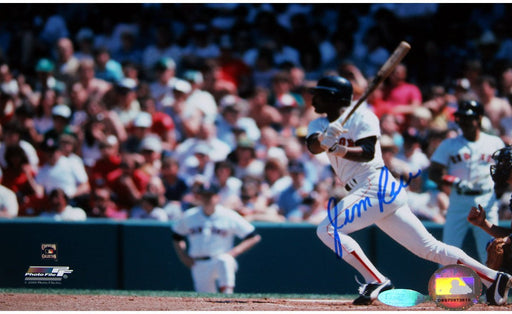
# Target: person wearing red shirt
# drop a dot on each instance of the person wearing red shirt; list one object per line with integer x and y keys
{"x": 401, "y": 96}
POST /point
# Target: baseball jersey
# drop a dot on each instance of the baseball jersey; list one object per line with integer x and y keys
{"x": 469, "y": 160}
{"x": 363, "y": 123}
{"x": 212, "y": 235}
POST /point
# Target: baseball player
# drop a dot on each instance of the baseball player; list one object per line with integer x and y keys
{"x": 374, "y": 196}
{"x": 460, "y": 166}
{"x": 209, "y": 252}
{"x": 500, "y": 248}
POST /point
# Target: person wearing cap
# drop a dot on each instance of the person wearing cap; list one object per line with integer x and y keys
{"x": 198, "y": 97}
{"x": 199, "y": 165}
{"x": 57, "y": 171}
{"x": 204, "y": 241}
{"x": 127, "y": 106}
{"x": 151, "y": 151}
{"x": 61, "y": 117}
{"x": 460, "y": 167}
{"x": 232, "y": 122}
{"x": 161, "y": 87}
{"x": 175, "y": 186}
{"x": 291, "y": 198}
{"x": 187, "y": 119}
{"x": 140, "y": 128}
{"x": 45, "y": 69}
{"x": 109, "y": 161}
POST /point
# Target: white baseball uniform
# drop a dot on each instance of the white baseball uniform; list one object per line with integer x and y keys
{"x": 375, "y": 197}
{"x": 209, "y": 240}
{"x": 469, "y": 161}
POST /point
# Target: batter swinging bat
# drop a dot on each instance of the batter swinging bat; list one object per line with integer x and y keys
{"x": 386, "y": 69}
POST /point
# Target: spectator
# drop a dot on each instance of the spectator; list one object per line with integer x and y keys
{"x": 12, "y": 137}
{"x": 186, "y": 119}
{"x": 495, "y": 108}
{"x": 290, "y": 199}
{"x": 163, "y": 47}
{"x": 232, "y": 121}
{"x": 207, "y": 135}
{"x": 18, "y": 176}
{"x": 229, "y": 185}
{"x": 107, "y": 68}
{"x": 102, "y": 206}
{"x": 254, "y": 206}
{"x": 128, "y": 183}
{"x": 128, "y": 51}
{"x": 314, "y": 206}
{"x": 61, "y": 116}
{"x": 140, "y": 128}
{"x": 245, "y": 159}
{"x": 46, "y": 79}
{"x": 85, "y": 41}
{"x": 260, "y": 111}
{"x": 270, "y": 145}
{"x": 175, "y": 187}
{"x": 58, "y": 172}
{"x": 67, "y": 63}
{"x": 149, "y": 209}
{"x": 402, "y": 97}
{"x": 198, "y": 97}
{"x": 109, "y": 161}
{"x": 275, "y": 180}
{"x": 8, "y": 201}
{"x": 95, "y": 87}
{"x": 126, "y": 105}
{"x": 59, "y": 209}
{"x": 151, "y": 150}
{"x": 43, "y": 120}
{"x": 200, "y": 165}
{"x": 161, "y": 88}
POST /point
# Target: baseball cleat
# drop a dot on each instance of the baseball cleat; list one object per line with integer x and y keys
{"x": 497, "y": 293}
{"x": 369, "y": 292}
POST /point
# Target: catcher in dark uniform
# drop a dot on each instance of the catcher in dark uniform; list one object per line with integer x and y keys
{"x": 499, "y": 251}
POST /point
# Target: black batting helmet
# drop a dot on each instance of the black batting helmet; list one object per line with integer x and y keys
{"x": 336, "y": 86}
{"x": 470, "y": 108}
{"x": 500, "y": 172}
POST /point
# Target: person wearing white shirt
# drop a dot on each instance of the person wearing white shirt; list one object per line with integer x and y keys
{"x": 8, "y": 201}
{"x": 60, "y": 210}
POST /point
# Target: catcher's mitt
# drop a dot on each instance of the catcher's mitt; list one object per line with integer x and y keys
{"x": 499, "y": 254}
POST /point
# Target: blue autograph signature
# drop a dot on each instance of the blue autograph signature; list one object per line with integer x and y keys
{"x": 365, "y": 203}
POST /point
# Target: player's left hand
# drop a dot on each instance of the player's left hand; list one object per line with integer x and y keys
{"x": 331, "y": 135}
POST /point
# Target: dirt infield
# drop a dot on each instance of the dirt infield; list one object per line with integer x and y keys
{"x": 57, "y": 302}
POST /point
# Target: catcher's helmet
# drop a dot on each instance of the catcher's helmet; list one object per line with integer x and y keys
{"x": 338, "y": 87}
{"x": 500, "y": 172}
{"x": 470, "y": 108}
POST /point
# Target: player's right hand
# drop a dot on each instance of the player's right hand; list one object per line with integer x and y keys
{"x": 477, "y": 216}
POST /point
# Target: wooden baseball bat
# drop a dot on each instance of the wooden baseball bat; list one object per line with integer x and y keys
{"x": 386, "y": 69}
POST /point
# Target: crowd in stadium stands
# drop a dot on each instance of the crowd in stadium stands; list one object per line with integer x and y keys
{"x": 119, "y": 110}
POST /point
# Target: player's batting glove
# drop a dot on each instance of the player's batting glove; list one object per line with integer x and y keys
{"x": 331, "y": 135}
{"x": 339, "y": 150}
{"x": 462, "y": 186}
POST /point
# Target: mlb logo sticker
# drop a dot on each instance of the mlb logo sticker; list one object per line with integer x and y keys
{"x": 49, "y": 251}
